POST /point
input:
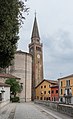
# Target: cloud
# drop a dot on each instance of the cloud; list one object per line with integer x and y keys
{"x": 58, "y": 53}
{"x": 59, "y": 45}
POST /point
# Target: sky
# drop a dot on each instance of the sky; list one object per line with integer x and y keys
{"x": 55, "y": 23}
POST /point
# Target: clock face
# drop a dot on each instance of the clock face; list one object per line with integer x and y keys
{"x": 38, "y": 56}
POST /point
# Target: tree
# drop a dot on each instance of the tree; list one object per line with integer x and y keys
{"x": 11, "y": 15}
{"x": 14, "y": 86}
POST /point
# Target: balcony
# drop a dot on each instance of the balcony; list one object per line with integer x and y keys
{"x": 68, "y": 95}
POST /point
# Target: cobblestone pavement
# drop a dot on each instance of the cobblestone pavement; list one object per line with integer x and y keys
{"x": 33, "y": 111}
{"x": 7, "y": 112}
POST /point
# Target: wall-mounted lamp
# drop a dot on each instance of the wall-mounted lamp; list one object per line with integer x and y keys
{"x": 21, "y": 86}
{"x": 3, "y": 90}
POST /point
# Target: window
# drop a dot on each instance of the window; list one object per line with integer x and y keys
{"x": 67, "y": 91}
{"x": 52, "y": 91}
{"x": 44, "y": 86}
{"x": 31, "y": 49}
{"x": 49, "y": 85}
{"x": 41, "y": 86}
{"x": 56, "y": 91}
{"x": 37, "y": 40}
{"x": 44, "y": 98}
{"x": 49, "y": 98}
{"x": 38, "y": 48}
{"x": 54, "y": 99}
{"x": 61, "y": 92}
{"x": 0, "y": 96}
{"x": 49, "y": 91}
{"x": 61, "y": 99}
{"x": 44, "y": 92}
{"x": 41, "y": 92}
{"x": 37, "y": 97}
{"x": 41, "y": 98}
{"x": 61, "y": 83}
{"x": 68, "y": 83}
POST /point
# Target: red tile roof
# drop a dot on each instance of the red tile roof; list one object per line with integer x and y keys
{"x": 54, "y": 86}
{"x": 3, "y": 75}
{"x": 3, "y": 84}
{"x": 49, "y": 81}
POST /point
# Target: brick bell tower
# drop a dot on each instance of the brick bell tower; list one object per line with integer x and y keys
{"x": 35, "y": 48}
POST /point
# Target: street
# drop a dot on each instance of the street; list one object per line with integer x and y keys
{"x": 29, "y": 111}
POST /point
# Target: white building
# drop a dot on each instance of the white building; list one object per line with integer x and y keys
{"x": 22, "y": 68}
{"x": 4, "y": 94}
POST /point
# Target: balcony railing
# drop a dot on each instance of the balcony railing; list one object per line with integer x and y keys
{"x": 68, "y": 95}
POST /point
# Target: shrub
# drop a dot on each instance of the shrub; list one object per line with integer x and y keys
{"x": 15, "y": 99}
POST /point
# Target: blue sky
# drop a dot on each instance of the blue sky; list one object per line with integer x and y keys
{"x": 55, "y": 23}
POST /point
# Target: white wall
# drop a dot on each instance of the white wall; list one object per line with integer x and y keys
{"x": 5, "y": 96}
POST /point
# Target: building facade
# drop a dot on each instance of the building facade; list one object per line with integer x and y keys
{"x": 54, "y": 93}
{"x": 43, "y": 90}
{"x": 66, "y": 89}
{"x": 22, "y": 68}
{"x": 4, "y": 94}
{"x": 35, "y": 49}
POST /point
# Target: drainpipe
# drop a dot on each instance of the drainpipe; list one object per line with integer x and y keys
{"x": 25, "y": 74}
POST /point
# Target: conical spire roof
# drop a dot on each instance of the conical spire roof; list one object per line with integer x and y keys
{"x": 35, "y": 32}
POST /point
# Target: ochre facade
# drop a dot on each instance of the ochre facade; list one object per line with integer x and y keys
{"x": 43, "y": 90}
{"x": 66, "y": 89}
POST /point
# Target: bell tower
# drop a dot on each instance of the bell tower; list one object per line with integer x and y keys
{"x": 35, "y": 48}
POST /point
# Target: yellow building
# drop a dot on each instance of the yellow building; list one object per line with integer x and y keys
{"x": 43, "y": 90}
{"x": 66, "y": 89}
